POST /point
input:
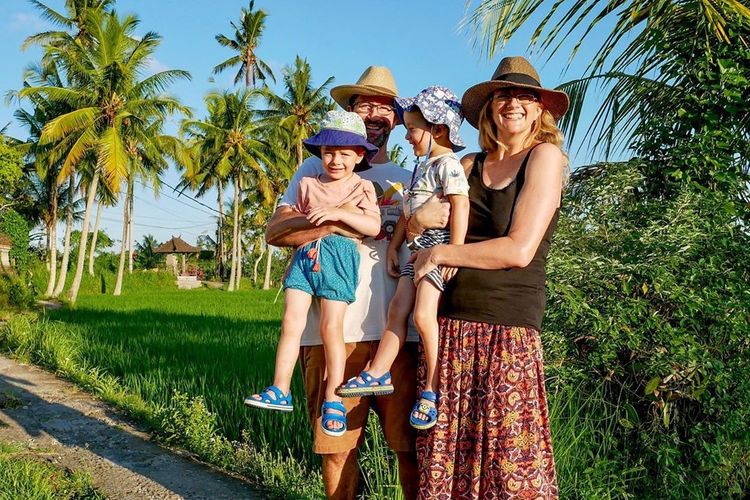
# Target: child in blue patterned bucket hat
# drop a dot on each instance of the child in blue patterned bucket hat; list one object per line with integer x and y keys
{"x": 432, "y": 119}
{"x": 327, "y": 268}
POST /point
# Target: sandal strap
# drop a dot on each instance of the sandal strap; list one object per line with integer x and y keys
{"x": 429, "y": 396}
{"x": 279, "y": 397}
{"x": 332, "y": 405}
{"x": 369, "y": 380}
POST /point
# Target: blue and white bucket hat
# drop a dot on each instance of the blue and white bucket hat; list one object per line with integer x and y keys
{"x": 439, "y": 105}
{"x": 341, "y": 128}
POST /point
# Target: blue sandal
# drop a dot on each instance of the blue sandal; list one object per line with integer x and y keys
{"x": 424, "y": 409}
{"x": 370, "y": 386}
{"x": 278, "y": 402}
{"x": 328, "y": 418}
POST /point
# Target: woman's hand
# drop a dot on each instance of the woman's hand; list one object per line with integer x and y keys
{"x": 424, "y": 262}
{"x": 448, "y": 273}
{"x": 433, "y": 214}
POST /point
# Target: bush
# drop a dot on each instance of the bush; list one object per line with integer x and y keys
{"x": 651, "y": 297}
{"x": 14, "y": 291}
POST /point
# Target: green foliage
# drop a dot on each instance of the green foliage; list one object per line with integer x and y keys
{"x": 177, "y": 419}
{"x": 11, "y": 169}
{"x": 22, "y": 477}
{"x": 699, "y": 130}
{"x": 16, "y": 227}
{"x": 15, "y": 291}
{"x": 652, "y": 297}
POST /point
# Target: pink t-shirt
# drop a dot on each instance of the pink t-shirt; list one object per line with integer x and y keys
{"x": 354, "y": 191}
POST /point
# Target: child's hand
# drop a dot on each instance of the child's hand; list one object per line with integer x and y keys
{"x": 392, "y": 263}
{"x": 448, "y": 273}
{"x": 318, "y": 215}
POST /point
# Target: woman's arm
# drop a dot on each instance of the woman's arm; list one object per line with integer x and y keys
{"x": 435, "y": 212}
{"x": 537, "y": 202}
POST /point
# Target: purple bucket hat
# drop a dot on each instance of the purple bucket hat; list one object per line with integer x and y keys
{"x": 439, "y": 105}
{"x": 341, "y": 128}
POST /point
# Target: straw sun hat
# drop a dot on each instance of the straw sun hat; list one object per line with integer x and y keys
{"x": 376, "y": 80}
{"x": 512, "y": 72}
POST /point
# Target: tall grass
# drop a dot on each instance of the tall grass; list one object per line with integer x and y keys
{"x": 23, "y": 477}
{"x": 183, "y": 360}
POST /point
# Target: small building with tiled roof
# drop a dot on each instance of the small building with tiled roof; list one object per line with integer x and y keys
{"x": 176, "y": 246}
{"x": 5, "y": 246}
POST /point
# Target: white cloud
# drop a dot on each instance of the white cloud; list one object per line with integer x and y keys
{"x": 153, "y": 65}
{"x": 23, "y": 21}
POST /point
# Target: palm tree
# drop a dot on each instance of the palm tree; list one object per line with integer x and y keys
{"x": 246, "y": 39}
{"x": 108, "y": 100}
{"x": 73, "y": 20}
{"x": 279, "y": 170}
{"x": 146, "y": 147}
{"x": 233, "y": 150}
{"x": 301, "y": 107}
{"x": 201, "y": 174}
{"x": 629, "y": 61}
{"x": 105, "y": 199}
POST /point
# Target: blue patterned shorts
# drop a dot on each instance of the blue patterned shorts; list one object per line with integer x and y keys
{"x": 337, "y": 275}
{"x": 427, "y": 239}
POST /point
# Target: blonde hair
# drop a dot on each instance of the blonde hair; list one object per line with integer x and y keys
{"x": 544, "y": 129}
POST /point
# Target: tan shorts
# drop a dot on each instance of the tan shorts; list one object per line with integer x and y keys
{"x": 393, "y": 410}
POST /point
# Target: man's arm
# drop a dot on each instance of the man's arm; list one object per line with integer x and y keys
{"x": 289, "y": 228}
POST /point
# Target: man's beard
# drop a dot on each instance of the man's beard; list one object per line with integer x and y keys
{"x": 381, "y": 138}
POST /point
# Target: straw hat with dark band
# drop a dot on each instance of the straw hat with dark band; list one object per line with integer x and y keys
{"x": 512, "y": 72}
{"x": 376, "y": 80}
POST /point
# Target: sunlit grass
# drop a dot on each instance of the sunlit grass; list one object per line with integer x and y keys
{"x": 24, "y": 477}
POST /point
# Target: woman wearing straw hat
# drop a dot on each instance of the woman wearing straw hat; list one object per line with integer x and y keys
{"x": 492, "y": 439}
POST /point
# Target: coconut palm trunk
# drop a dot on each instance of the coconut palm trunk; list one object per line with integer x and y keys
{"x": 300, "y": 153}
{"x": 94, "y": 237}
{"x": 236, "y": 219}
{"x": 130, "y": 229}
{"x": 76, "y": 285}
{"x": 238, "y": 277}
{"x": 66, "y": 245}
{"x": 257, "y": 262}
{"x": 269, "y": 257}
{"x": 124, "y": 245}
{"x": 52, "y": 237}
{"x": 221, "y": 253}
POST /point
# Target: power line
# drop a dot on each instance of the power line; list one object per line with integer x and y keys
{"x": 192, "y": 198}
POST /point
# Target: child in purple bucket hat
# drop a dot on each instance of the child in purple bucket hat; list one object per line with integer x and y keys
{"x": 327, "y": 268}
{"x": 432, "y": 119}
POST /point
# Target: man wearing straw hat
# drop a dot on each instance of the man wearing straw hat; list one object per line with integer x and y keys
{"x": 371, "y": 98}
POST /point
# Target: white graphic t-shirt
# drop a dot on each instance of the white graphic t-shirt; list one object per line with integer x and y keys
{"x": 366, "y": 317}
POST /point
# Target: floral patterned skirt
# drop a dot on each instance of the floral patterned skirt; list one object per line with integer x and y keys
{"x": 492, "y": 438}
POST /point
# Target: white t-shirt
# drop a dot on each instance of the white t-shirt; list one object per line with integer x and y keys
{"x": 367, "y": 316}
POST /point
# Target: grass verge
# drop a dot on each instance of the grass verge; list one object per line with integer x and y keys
{"x": 185, "y": 421}
{"x": 24, "y": 477}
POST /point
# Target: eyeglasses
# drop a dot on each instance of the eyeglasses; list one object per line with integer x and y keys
{"x": 379, "y": 109}
{"x": 523, "y": 98}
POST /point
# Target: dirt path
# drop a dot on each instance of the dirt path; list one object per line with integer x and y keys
{"x": 58, "y": 422}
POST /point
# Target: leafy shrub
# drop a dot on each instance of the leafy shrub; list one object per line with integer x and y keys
{"x": 14, "y": 291}
{"x": 652, "y": 298}
{"x": 16, "y": 227}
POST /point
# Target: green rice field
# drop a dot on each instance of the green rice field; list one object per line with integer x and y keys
{"x": 207, "y": 343}
{"x": 159, "y": 351}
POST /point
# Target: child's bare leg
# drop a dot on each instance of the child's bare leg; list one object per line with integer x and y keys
{"x": 399, "y": 309}
{"x": 332, "y": 335}
{"x": 425, "y": 319}
{"x": 296, "y": 305}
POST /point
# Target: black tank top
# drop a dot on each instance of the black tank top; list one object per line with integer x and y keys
{"x": 511, "y": 297}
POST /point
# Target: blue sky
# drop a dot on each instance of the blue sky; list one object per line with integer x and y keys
{"x": 420, "y": 41}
